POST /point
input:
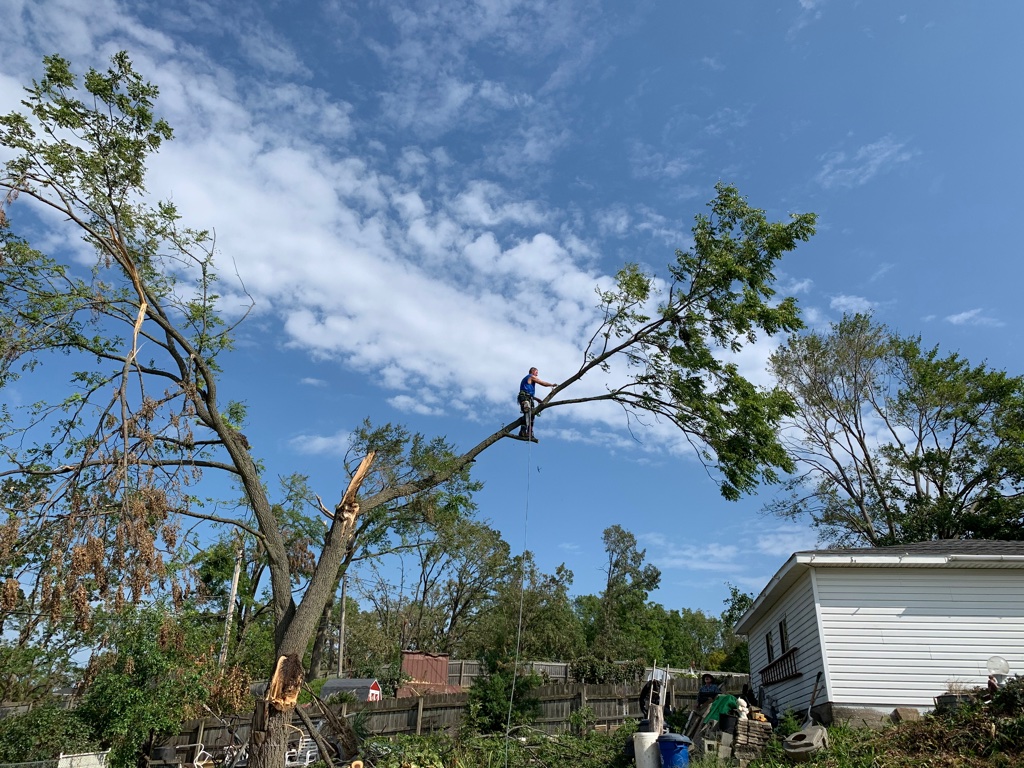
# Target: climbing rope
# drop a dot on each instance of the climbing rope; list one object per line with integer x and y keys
{"x": 522, "y": 597}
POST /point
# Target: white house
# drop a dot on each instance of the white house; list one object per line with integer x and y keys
{"x": 888, "y": 627}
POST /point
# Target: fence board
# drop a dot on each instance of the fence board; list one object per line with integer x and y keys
{"x": 612, "y": 705}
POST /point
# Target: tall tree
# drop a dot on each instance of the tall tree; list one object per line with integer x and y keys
{"x": 900, "y": 443}
{"x": 735, "y": 647}
{"x": 114, "y": 462}
{"x": 446, "y": 576}
{"x": 624, "y": 599}
{"x": 530, "y": 609}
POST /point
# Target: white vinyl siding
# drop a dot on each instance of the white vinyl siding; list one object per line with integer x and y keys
{"x": 797, "y": 607}
{"x": 898, "y": 636}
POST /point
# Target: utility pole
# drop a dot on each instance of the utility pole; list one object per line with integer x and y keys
{"x": 231, "y": 604}
{"x": 341, "y": 624}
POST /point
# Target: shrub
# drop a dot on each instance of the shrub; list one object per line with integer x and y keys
{"x": 42, "y": 734}
{"x": 594, "y": 671}
{"x": 502, "y": 697}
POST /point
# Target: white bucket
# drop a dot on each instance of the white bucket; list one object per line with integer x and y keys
{"x": 648, "y": 755}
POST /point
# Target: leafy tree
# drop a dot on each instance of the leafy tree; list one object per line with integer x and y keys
{"x": 899, "y": 443}
{"x": 532, "y": 609}
{"x": 42, "y": 734}
{"x": 624, "y": 599}
{"x": 737, "y": 652}
{"x": 446, "y": 575}
{"x": 156, "y": 672}
{"x": 677, "y": 637}
{"x": 145, "y": 415}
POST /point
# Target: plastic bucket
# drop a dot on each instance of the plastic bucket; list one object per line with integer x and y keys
{"x": 645, "y": 745}
{"x": 675, "y": 750}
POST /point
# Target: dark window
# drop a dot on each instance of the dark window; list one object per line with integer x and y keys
{"x": 783, "y": 636}
{"x": 769, "y": 647}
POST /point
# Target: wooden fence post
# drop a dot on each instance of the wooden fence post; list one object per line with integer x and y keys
{"x": 419, "y": 716}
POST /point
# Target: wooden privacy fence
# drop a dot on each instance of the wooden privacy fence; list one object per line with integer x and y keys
{"x": 611, "y": 705}
{"x": 461, "y": 672}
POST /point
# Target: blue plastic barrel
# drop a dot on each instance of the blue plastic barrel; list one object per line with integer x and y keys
{"x": 675, "y": 750}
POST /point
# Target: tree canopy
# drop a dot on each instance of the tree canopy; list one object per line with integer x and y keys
{"x": 100, "y": 487}
{"x": 898, "y": 442}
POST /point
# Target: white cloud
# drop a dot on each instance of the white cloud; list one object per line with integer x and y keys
{"x": 648, "y": 162}
{"x": 974, "y": 317}
{"x": 882, "y": 271}
{"x": 841, "y": 169}
{"x": 332, "y": 445}
{"x": 311, "y": 382}
{"x": 796, "y": 286}
{"x": 784, "y": 540}
{"x": 727, "y": 119}
{"x": 408, "y": 404}
{"x": 851, "y": 304}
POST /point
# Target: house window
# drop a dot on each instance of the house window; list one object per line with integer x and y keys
{"x": 783, "y": 636}
{"x": 769, "y": 647}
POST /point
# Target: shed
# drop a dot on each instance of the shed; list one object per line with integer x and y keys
{"x": 887, "y": 627}
{"x": 426, "y": 674}
{"x": 363, "y": 688}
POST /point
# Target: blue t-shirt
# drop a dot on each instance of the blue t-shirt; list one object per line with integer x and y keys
{"x": 528, "y": 386}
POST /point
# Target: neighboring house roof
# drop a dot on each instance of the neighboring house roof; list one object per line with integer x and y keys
{"x": 947, "y": 553}
{"x": 360, "y": 686}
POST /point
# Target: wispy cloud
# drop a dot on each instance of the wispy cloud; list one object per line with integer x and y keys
{"x": 856, "y": 168}
{"x": 311, "y": 382}
{"x": 882, "y": 271}
{"x": 852, "y": 304}
{"x": 810, "y": 11}
{"x": 727, "y": 119}
{"x": 315, "y": 445}
{"x": 783, "y": 540}
{"x": 647, "y": 162}
{"x": 796, "y": 286}
{"x": 974, "y": 317}
{"x": 409, "y": 404}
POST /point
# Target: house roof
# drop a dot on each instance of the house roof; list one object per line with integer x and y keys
{"x": 945, "y": 553}
{"x": 942, "y": 546}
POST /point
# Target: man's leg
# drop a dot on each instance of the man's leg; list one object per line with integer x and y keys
{"x": 527, "y": 429}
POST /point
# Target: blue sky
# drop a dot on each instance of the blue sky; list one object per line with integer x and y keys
{"x": 422, "y": 196}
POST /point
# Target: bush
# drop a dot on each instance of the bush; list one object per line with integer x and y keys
{"x": 594, "y": 671}
{"x": 42, "y": 734}
{"x": 533, "y": 750}
{"x": 490, "y": 710}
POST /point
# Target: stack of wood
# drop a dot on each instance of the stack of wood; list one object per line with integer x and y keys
{"x": 751, "y": 738}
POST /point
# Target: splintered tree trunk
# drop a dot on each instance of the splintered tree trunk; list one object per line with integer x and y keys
{"x": 274, "y": 714}
{"x": 296, "y": 627}
{"x": 269, "y": 737}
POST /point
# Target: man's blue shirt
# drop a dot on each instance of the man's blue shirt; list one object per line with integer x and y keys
{"x": 527, "y": 386}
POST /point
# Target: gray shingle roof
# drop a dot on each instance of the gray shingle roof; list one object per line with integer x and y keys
{"x": 941, "y": 547}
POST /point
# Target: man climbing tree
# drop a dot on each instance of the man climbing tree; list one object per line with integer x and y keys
{"x": 527, "y": 397}
{"x": 105, "y": 476}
